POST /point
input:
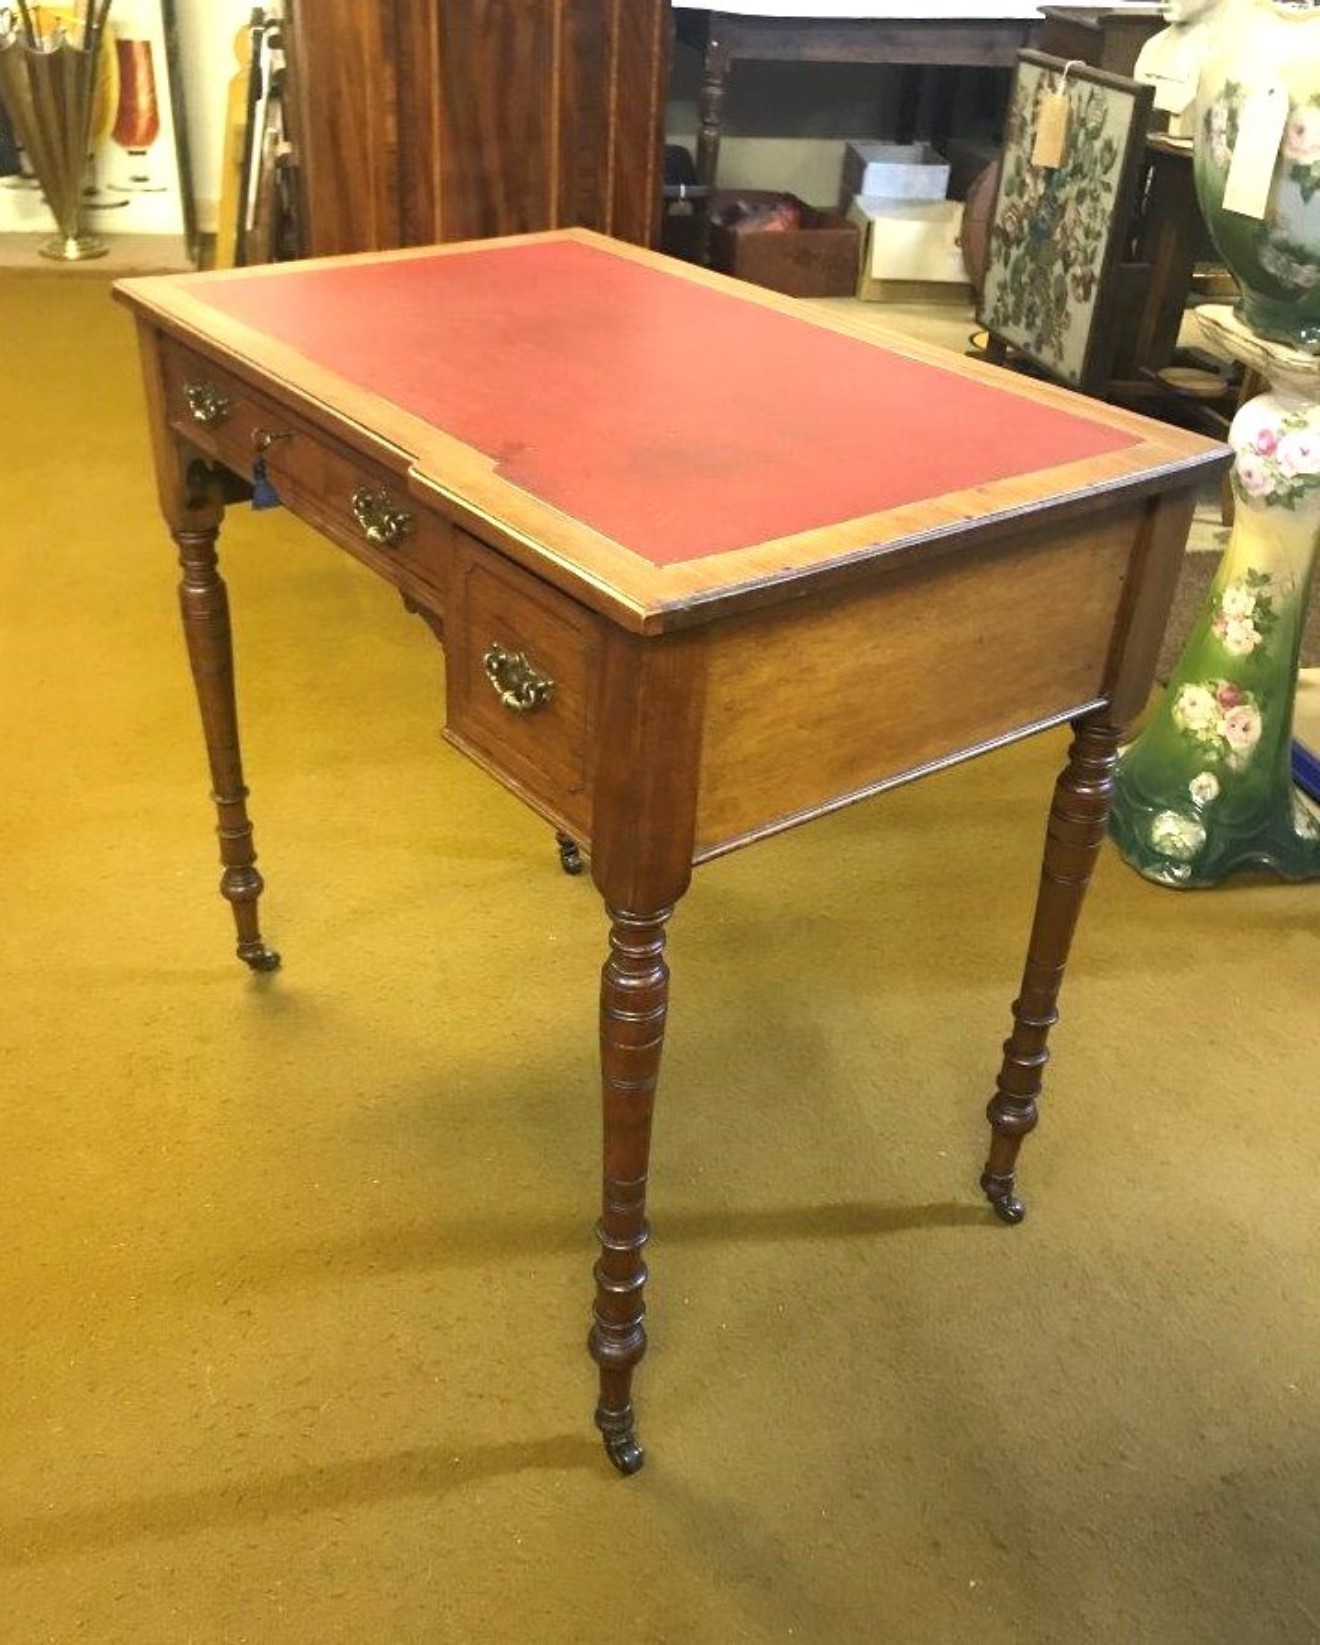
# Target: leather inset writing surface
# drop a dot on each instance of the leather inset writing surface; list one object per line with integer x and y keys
{"x": 575, "y": 371}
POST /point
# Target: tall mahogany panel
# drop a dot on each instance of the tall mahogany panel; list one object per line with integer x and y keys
{"x": 423, "y": 120}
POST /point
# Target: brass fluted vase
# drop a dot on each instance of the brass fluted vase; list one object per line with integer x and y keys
{"x": 47, "y": 86}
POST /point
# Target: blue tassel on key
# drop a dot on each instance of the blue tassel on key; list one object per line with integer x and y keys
{"x": 264, "y": 494}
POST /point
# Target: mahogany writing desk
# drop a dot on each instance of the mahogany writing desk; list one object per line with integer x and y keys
{"x": 680, "y": 611}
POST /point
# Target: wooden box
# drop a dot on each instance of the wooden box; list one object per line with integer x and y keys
{"x": 818, "y": 258}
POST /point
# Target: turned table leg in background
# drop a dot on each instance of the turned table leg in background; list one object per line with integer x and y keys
{"x": 715, "y": 67}
{"x": 204, "y": 604}
{"x": 716, "y": 64}
{"x": 1075, "y": 833}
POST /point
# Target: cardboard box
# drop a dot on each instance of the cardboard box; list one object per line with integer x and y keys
{"x": 894, "y": 171}
{"x": 910, "y": 249}
{"x": 816, "y": 259}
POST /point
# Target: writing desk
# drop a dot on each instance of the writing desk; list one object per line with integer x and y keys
{"x": 678, "y": 614}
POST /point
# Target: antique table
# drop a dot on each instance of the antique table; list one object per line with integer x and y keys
{"x": 954, "y": 34}
{"x": 680, "y": 611}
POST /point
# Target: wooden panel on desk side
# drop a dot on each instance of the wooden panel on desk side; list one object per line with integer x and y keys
{"x": 827, "y": 698}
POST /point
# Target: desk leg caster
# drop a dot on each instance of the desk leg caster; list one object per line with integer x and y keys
{"x": 241, "y": 885}
{"x": 619, "y": 1435}
{"x": 1003, "y": 1201}
{"x": 570, "y": 854}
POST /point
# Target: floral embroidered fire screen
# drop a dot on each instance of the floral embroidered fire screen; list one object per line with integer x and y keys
{"x": 1057, "y": 234}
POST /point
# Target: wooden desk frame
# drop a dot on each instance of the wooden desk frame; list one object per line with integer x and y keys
{"x": 699, "y": 706}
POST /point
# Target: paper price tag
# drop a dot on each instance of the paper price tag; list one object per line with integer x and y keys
{"x": 1051, "y": 131}
{"x": 1260, "y": 136}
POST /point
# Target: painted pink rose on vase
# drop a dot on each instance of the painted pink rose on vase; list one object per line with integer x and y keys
{"x": 1224, "y": 722}
{"x": 1239, "y": 636}
{"x": 1298, "y": 452}
{"x": 1254, "y": 474}
{"x": 1241, "y": 728}
{"x": 1237, "y": 601}
{"x": 1277, "y": 447}
{"x": 1254, "y": 427}
{"x": 1301, "y": 136}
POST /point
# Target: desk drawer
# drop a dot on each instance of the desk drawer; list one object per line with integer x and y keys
{"x": 523, "y": 665}
{"x": 358, "y": 501}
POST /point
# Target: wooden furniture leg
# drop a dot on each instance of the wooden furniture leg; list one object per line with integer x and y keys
{"x": 634, "y": 1000}
{"x": 715, "y": 67}
{"x": 1076, "y": 831}
{"x": 641, "y": 863}
{"x": 716, "y": 64}
{"x": 204, "y": 604}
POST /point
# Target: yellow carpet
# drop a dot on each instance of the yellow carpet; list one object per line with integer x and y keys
{"x": 297, "y": 1269}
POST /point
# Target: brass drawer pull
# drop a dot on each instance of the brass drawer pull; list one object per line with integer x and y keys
{"x": 207, "y": 404}
{"x": 520, "y": 687}
{"x": 383, "y": 525}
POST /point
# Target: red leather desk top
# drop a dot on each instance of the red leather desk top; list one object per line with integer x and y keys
{"x": 671, "y": 417}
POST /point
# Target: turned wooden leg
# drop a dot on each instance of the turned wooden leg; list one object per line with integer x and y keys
{"x": 710, "y": 123}
{"x": 1073, "y": 839}
{"x": 634, "y": 998}
{"x": 204, "y": 604}
{"x": 710, "y": 110}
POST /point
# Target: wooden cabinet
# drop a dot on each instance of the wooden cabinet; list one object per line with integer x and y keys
{"x": 422, "y": 120}
{"x": 1103, "y": 36}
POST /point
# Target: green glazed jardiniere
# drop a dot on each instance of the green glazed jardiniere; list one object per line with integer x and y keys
{"x": 1275, "y": 258}
{"x": 1206, "y": 790}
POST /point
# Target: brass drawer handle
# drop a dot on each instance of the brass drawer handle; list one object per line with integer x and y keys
{"x": 383, "y": 525}
{"x": 520, "y": 686}
{"x": 207, "y": 404}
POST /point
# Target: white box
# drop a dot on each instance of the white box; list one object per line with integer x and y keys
{"x": 894, "y": 171}
{"x": 910, "y": 248}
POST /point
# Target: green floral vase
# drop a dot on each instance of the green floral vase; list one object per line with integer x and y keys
{"x": 1275, "y": 258}
{"x": 1207, "y": 789}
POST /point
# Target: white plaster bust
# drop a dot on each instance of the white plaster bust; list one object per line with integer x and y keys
{"x": 1188, "y": 11}
{"x": 1171, "y": 60}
